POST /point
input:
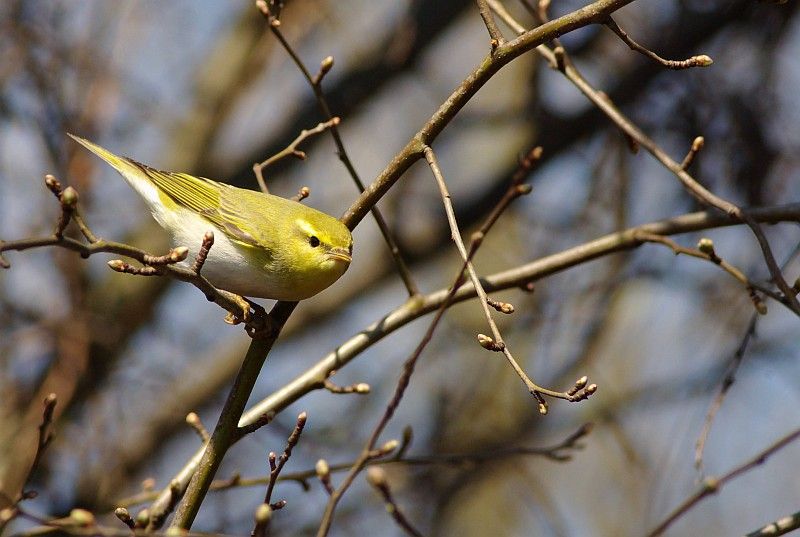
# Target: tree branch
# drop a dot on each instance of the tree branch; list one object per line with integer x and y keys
{"x": 314, "y": 377}
{"x": 712, "y": 485}
{"x": 413, "y": 151}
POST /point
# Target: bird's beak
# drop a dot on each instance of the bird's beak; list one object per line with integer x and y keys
{"x": 339, "y": 254}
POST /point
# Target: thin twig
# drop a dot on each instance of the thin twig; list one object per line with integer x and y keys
{"x": 692, "y": 186}
{"x": 323, "y": 472}
{"x": 276, "y": 467}
{"x": 495, "y": 343}
{"x": 193, "y": 420}
{"x": 202, "y": 253}
{"x": 43, "y": 441}
{"x": 540, "y": 15}
{"x": 367, "y": 453}
{"x": 83, "y": 523}
{"x": 712, "y": 485}
{"x": 562, "y": 451}
{"x": 302, "y": 194}
{"x": 697, "y": 145}
{"x": 316, "y": 85}
{"x": 515, "y": 190}
{"x": 376, "y": 477}
{"x": 727, "y": 382}
{"x": 495, "y": 34}
{"x": 254, "y": 425}
{"x": 359, "y": 387}
{"x": 125, "y": 517}
{"x": 314, "y": 377}
{"x": 45, "y": 435}
{"x": 706, "y": 251}
{"x": 291, "y": 151}
{"x": 701, "y": 60}
{"x": 175, "y": 255}
{"x": 164, "y": 265}
{"x": 402, "y": 384}
{"x": 730, "y": 377}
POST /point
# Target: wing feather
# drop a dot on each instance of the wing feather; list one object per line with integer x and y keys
{"x": 203, "y": 196}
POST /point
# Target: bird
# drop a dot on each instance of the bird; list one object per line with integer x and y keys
{"x": 264, "y": 246}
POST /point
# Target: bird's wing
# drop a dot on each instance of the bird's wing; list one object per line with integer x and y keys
{"x": 204, "y": 197}
{"x": 200, "y": 195}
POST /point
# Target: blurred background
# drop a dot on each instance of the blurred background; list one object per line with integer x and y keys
{"x": 203, "y": 87}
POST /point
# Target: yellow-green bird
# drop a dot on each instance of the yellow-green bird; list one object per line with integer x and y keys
{"x": 265, "y": 246}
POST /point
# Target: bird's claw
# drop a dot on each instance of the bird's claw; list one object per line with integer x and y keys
{"x": 244, "y": 315}
{"x": 256, "y": 321}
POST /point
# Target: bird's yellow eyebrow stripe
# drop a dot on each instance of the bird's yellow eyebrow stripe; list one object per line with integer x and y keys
{"x": 305, "y": 226}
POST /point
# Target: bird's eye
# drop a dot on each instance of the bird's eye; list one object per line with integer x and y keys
{"x": 313, "y": 241}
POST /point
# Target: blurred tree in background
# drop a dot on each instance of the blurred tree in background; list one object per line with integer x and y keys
{"x": 207, "y": 88}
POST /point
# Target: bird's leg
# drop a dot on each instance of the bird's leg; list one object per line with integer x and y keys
{"x": 244, "y": 316}
{"x": 256, "y": 307}
{"x": 260, "y": 325}
{"x": 257, "y": 324}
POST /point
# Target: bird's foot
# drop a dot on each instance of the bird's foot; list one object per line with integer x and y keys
{"x": 243, "y": 315}
{"x": 257, "y": 322}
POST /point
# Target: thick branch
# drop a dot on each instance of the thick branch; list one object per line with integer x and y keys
{"x": 413, "y": 151}
{"x": 638, "y": 137}
{"x": 226, "y": 431}
{"x": 314, "y": 377}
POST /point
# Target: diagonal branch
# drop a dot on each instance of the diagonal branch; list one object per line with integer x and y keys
{"x": 316, "y": 85}
{"x": 314, "y": 377}
{"x": 226, "y": 432}
{"x": 729, "y": 379}
{"x": 495, "y": 343}
{"x": 153, "y": 264}
{"x": 695, "y": 61}
{"x": 290, "y": 151}
{"x": 495, "y": 34}
{"x": 635, "y": 134}
{"x": 377, "y": 478}
{"x": 562, "y": 451}
{"x": 503, "y": 55}
{"x": 712, "y": 485}
{"x": 368, "y": 451}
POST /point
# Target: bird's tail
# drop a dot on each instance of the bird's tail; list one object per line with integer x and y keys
{"x": 133, "y": 172}
{"x": 118, "y": 163}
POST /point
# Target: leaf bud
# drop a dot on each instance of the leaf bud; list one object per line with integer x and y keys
{"x": 326, "y": 65}
{"x": 702, "y": 60}
{"x": 389, "y": 446}
{"x": 323, "y": 469}
{"x": 69, "y": 197}
{"x": 142, "y": 518}
{"x": 82, "y": 517}
{"x": 706, "y": 246}
{"x": 117, "y": 265}
{"x": 376, "y": 476}
{"x": 263, "y": 513}
{"x": 178, "y": 254}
